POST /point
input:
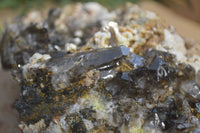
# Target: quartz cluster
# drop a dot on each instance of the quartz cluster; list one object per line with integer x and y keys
{"x": 84, "y": 69}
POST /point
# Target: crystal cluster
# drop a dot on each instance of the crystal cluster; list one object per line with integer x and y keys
{"x": 86, "y": 69}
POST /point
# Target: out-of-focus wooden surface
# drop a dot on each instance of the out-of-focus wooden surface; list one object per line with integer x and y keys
{"x": 188, "y": 8}
{"x": 9, "y": 91}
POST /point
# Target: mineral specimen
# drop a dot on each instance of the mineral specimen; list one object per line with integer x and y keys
{"x": 85, "y": 69}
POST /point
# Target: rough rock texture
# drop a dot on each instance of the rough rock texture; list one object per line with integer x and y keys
{"x": 85, "y": 69}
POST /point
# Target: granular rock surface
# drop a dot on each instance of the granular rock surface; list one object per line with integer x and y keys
{"x": 86, "y": 69}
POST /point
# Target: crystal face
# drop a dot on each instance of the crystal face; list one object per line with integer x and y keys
{"x": 116, "y": 71}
